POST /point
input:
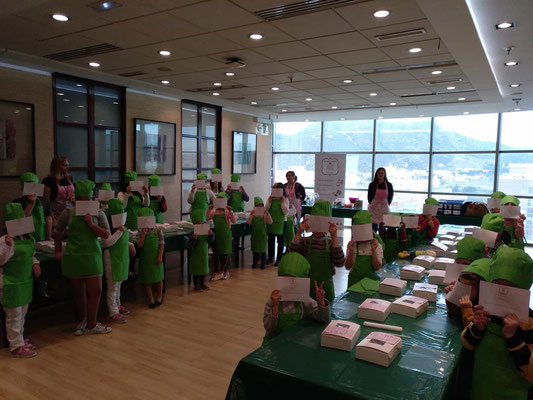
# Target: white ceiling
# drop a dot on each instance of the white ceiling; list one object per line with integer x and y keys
{"x": 306, "y": 56}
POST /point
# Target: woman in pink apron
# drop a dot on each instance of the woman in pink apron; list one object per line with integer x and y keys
{"x": 59, "y": 187}
{"x": 294, "y": 191}
{"x": 380, "y": 194}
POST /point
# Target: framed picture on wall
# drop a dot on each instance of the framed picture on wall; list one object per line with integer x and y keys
{"x": 244, "y": 153}
{"x": 155, "y": 147}
{"x": 17, "y": 138}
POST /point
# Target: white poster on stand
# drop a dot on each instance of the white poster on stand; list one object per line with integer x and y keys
{"x": 330, "y": 171}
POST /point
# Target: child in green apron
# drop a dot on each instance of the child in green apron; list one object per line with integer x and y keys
{"x": 18, "y": 266}
{"x": 38, "y": 208}
{"x": 199, "y": 253}
{"x": 278, "y": 209}
{"x": 222, "y": 217}
{"x": 236, "y": 202}
{"x": 365, "y": 257}
{"x": 199, "y": 199}
{"x": 214, "y": 184}
{"x": 497, "y": 195}
{"x": 151, "y": 245}
{"x": 428, "y": 225}
{"x": 81, "y": 262}
{"x": 493, "y": 222}
{"x": 503, "y": 366}
{"x": 279, "y": 314}
{"x": 259, "y": 233}
{"x": 288, "y": 235}
{"x": 157, "y": 203}
{"x": 117, "y": 250}
{"x": 515, "y": 227}
{"x": 104, "y": 203}
{"x": 133, "y": 200}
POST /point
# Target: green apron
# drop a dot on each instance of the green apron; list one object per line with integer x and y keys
{"x": 223, "y": 244}
{"x": 412, "y": 238}
{"x": 38, "y": 221}
{"x": 362, "y": 267}
{"x": 516, "y": 243}
{"x": 83, "y": 254}
{"x": 320, "y": 271}
{"x": 391, "y": 249}
{"x": 237, "y": 203}
{"x": 199, "y": 262}
{"x": 120, "y": 257}
{"x": 200, "y": 202}
{"x": 154, "y": 205}
{"x": 284, "y": 321}
{"x": 259, "y": 235}
{"x": 495, "y": 374}
{"x": 133, "y": 207}
{"x": 149, "y": 270}
{"x": 18, "y": 278}
{"x": 288, "y": 235}
{"x": 278, "y": 218}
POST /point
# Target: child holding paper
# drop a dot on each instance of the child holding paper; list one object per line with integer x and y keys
{"x": 496, "y": 198}
{"x": 494, "y": 223}
{"x": 117, "y": 250}
{"x": 503, "y": 366}
{"x": 18, "y": 266}
{"x": 223, "y": 217}
{"x": 38, "y": 208}
{"x": 288, "y": 235}
{"x": 104, "y": 203}
{"x": 237, "y": 197}
{"x": 278, "y": 207}
{"x": 133, "y": 200}
{"x": 279, "y": 314}
{"x": 259, "y": 232}
{"x": 158, "y": 202}
{"x": 216, "y": 184}
{"x": 199, "y": 198}
{"x": 428, "y": 224}
{"x": 515, "y": 227}
{"x": 363, "y": 257}
{"x": 199, "y": 253}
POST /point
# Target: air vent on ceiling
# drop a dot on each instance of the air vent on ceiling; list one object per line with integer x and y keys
{"x": 409, "y": 67}
{"x": 401, "y": 35}
{"x": 302, "y": 7}
{"x": 404, "y": 96}
{"x": 236, "y": 98}
{"x": 83, "y": 52}
{"x": 218, "y": 89}
{"x": 132, "y": 74}
{"x": 445, "y": 81}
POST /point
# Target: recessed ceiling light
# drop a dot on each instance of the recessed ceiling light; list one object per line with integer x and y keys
{"x": 115, "y": 102}
{"x": 347, "y": 81}
{"x": 415, "y": 50}
{"x": 421, "y": 115}
{"x": 334, "y": 107}
{"x": 461, "y": 98}
{"x": 511, "y": 63}
{"x": 94, "y": 64}
{"x": 81, "y": 106}
{"x": 66, "y": 99}
{"x": 60, "y": 94}
{"x": 392, "y": 104}
{"x": 66, "y": 116}
{"x": 450, "y": 87}
{"x": 306, "y": 120}
{"x": 466, "y": 113}
{"x": 505, "y": 25}
{"x": 517, "y": 109}
{"x": 436, "y": 72}
{"x": 275, "y": 89}
{"x": 79, "y": 85}
{"x": 165, "y": 82}
{"x": 309, "y": 99}
{"x": 253, "y": 103}
{"x": 382, "y": 13}
{"x": 230, "y": 73}
{"x": 514, "y": 85}
{"x": 380, "y": 117}
{"x": 372, "y": 94}
{"x": 60, "y": 17}
{"x": 217, "y": 84}
{"x": 28, "y": 108}
{"x": 283, "y": 110}
{"x": 165, "y": 52}
{"x": 342, "y": 119}
{"x": 255, "y": 36}
{"x": 105, "y": 5}
{"x": 216, "y": 94}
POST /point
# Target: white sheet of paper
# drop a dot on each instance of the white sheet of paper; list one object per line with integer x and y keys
{"x": 318, "y": 223}
{"x": 33, "y": 188}
{"x": 87, "y": 207}
{"x": 512, "y": 212}
{"x": 410, "y": 221}
{"x": 157, "y": 191}
{"x": 20, "y": 226}
{"x": 363, "y": 232}
{"x": 201, "y": 229}
{"x": 430, "y": 209}
{"x": 493, "y": 203}
{"x": 216, "y": 177}
{"x": 118, "y": 219}
{"x": 488, "y": 237}
{"x": 501, "y": 300}
{"x": 293, "y": 289}
{"x": 439, "y": 245}
{"x": 106, "y": 195}
{"x": 453, "y": 271}
{"x": 292, "y": 212}
{"x": 199, "y": 183}
{"x": 365, "y": 248}
{"x": 137, "y": 186}
{"x": 392, "y": 220}
{"x": 146, "y": 222}
{"x": 220, "y": 202}
{"x": 277, "y": 192}
{"x": 459, "y": 290}
{"x": 259, "y": 211}
{"x": 236, "y": 185}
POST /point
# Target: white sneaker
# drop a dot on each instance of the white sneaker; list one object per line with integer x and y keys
{"x": 217, "y": 276}
{"x": 225, "y": 275}
{"x": 80, "y": 328}
{"x": 98, "y": 328}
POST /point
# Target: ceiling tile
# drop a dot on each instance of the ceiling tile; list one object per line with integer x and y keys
{"x": 291, "y": 77}
{"x": 338, "y": 43}
{"x": 342, "y": 96}
{"x": 447, "y": 72}
{"x": 401, "y": 84}
{"x": 311, "y": 63}
{"x": 15, "y": 31}
{"x": 152, "y": 51}
{"x": 136, "y": 8}
{"x": 314, "y": 84}
{"x": 118, "y": 34}
{"x": 162, "y": 26}
{"x": 313, "y": 25}
{"x": 383, "y": 30}
{"x": 285, "y": 51}
{"x": 413, "y": 90}
{"x": 369, "y": 87}
{"x": 327, "y": 90}
{"x": 248, "y": 56}
{"x": 191, "y": 64}
{"x": 208, "y": 43}
{"x": 62, "y": 43}
{"x": 373, "y": 65}
{"x": 357, "y": 80}
{"x": 258, "y": 5}
{"x": 282, "y": 88}
{"x": 239, "y": 91}
{"x": 271, "y": 35}
{"x": 389, "y": 76}
{"x": 256, "y": 81}
{"x": 429, "y": 48}
{"x": 331, "y": 73}
{"x": 269, "y": 68}
{"x": 429, "y": 59}
{"x": 360, "y": 57}
{"x": 302, "y": 94}
{"x": 111, "y": 61}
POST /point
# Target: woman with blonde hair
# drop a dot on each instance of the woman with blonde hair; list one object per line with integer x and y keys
{"x": 59, "y": 187}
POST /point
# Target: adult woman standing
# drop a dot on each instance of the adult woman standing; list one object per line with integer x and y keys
{"x": 380, "y": 194}
{"x": 59, "y": 187}
{"x": 294, "y": 191}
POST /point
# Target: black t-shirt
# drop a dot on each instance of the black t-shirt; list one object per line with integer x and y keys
{"x": 48, "y": 181}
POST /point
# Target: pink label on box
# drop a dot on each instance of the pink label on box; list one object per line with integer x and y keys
{"x": 383, "y": 337}
{"x": 412, "y": 300}
{"x": 414, "y": 268}
{"x": 375, "y": 304}
{"x": 341, "y": 329}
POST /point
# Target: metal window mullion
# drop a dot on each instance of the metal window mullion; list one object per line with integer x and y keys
{"x": 321, "y": 136}
{"x": 430, "y": 167}
{"x": 497, "y": 155}
{"x": 373, "y": 150}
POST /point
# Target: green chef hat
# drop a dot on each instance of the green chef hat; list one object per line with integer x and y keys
{"x": 480, "y": 267}
{"x": 84, "y": 188}
{"x": 154, "y": 180}
{"x": 513, "y": 265}
{"x": 106, "y": 186}
{"x": 322, "y": 208}
{"x": 145, "y": 212}
{"x": 198, "y": 215}
{"x": 201, "y": 176}
{"x": 13, "y": 211}
{"x": 470, "y": 248}
{"x": 493, "y": 222}
{"x": 431, "y": 201}
{"x": 362, "y": 217}
{"x": 258, "y": 200}
{"x": 215, "y": 171}
{"x": 130, "y": 176}
{"x": 115, "y": 207}
{"x": 294, "y": 264}
{"x": 235, "y": 178}
{"x": 222, "y": 195}
{"x": 497, "y": 195}
{"x": 28, "y": 177}
{"x": 510, "y": 199}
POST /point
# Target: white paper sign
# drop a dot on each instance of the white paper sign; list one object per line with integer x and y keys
{"x": 362, "y": 232}
{"x": 201, "y": 228}
{"x": 137, "y": 186}
{"x": 293, "y": 289}
{"x": 118, "y": 220}
{"x": 501, "y": 300}
{"x": 493, "y": 203}
{"x": 20, "y": 226}
{"x": 235, "y": 185}
{"x": 277, "y": 192}
{"x": 430, "y": 209}
{"x": 488, "y": 237}
{"x": 259, "y": 211}
{"x": 146, "y": 222}
{"x": 512, "y": 212}
{"x": 330, "y": 170}
{"x": 216, "y": 177}
{"x": 318, "y": 223}
{"x": 439, "y": 245}
{"x": 392, "y": 220}
{"x": 106, "y": 195}
{"x": 157, "y": 190}
{"x": 453, "y": 271}
{"x": 199, "y": 183}
{"x": 220, "y": 202}
{"x": 410, "y": 221}
{"x": 292, "y": 212}
{"x": 33, "y": 188}
{"x": 459, "y": 290}
{"x": 87, "y": 207}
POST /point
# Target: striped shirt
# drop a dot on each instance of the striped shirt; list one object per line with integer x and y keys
{"x": 301, "y": 245}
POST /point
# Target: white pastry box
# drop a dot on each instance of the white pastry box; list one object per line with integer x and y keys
{"x": 446, "y": 237}
{"x": 436, "y": 276}
{"x": 340, "y": 335}
{"x": 426, "y": 290}
{"x": 439, "y": 248}
{"x": 410, "y": 306}
{"x": 379, "y": 348}
{"x": 375, "y": 309}
{"x": 452, "y": 254}
{"x": 442, "y": 262}
{"x": 424, "y": 261}
{"x": 412, "y": 272}
{"x": 393, "y": 287}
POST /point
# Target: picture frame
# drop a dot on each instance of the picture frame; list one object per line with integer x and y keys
{"x": 17, "y": 138}
{"x": 244, "y": 154}
{"x": 155, "y": 147}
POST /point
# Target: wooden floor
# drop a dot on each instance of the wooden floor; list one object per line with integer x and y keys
{"x": 186, "y": 349}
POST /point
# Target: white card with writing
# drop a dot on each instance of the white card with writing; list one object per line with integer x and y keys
{"x": 33, "y": 188}
{"x": 216, "y": 177}
{"x": 157, "y": 191}
{"x": 201, "y": 229}
{"x": 362, "y": 232}
{"x": 488, "y": 237}
{"x": 501, "y": 300}
{"x": 392, "y": 220}
{"x": 106, "y": 195}
{"x": 277, "y": 192}
{"x": 199, "y": 183}
{"x": 430, "y": 209}
{"x": 410, "y": 221}
{"x": 236, "y": 185}
{"x": 20, "y": 226}
{"x": 318, "y": 223}
{"x": 293, "y": 289}
{"x": 146, "y": 222}
{"x": 118, "y": 220}
{"x": 453, "y": 271}
{"x": 136, "y": 186}
{"x": 364, "y": 248}
{"x": 512, "y": 212}
{"x": 259, "y": 211}
{"x": 220, "y": 202}
{"x": 87, "y": 207}
{"x": 493, "y": 203}
{"x": 459, "y": 290}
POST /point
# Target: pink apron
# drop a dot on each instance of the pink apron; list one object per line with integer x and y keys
{"x": 379, "y": 205}
{"x": 62, "y": 200}
{"x": 291, "y": 196}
